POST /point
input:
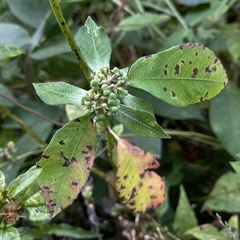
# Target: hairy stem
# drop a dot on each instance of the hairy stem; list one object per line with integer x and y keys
{"x": 67, "y": 33}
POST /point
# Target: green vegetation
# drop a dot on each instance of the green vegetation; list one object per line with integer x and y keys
{"x": 98, "y": 132}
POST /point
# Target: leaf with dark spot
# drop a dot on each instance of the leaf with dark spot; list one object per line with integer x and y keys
{"x": 61, "y": 142}
{"x": 67, "y": 167}
{"x": 176, "y": 70}
{"x": 75, "y": 184}
{"x": 192, "y": 64}
{"x": 89, "y": 147}
{"x": 135, "y": 185}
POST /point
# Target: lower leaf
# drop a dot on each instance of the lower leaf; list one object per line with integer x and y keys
{"x": 138, "y": 189}
{"x": 66, "y": 164}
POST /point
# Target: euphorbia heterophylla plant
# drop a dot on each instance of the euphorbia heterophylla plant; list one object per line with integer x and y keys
{"x": 182, "y": 75}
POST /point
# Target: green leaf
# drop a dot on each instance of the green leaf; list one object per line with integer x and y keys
{"x": 138, "y": 189}
{"x": 8, "y": 51}
{"x": 233, "y": 224}
{"x": 142, "y": 20}
{"x": 225, "y": 194}
{"x": 166, "y": 110}
{"x": 236, "y": 166}
{"x": 181, "y": 75}
{"x": 67, "y": 163}
{"x": 224, "y": 114}
{"x": 31, "y": 12}
{"x": 30, "y": 197}
{"x": 14, "y": 35}
{"x": 55, "y": 93}
{"x": 9, "y": 233}
{"x": 219, "y": 7}
{"x": 206, "y": 232}
{"x": 234, "y": 46}
{"x": 137, "y": 103}
{"x": 30, "y": 233}
{"x": 185, "y": 217}
{"x": 140, "y": 122}
{"x": 94, "y": 45}
{"x": 22, "y": 182}
{"x": 75, "y": 111}
{"x": 53, "y": 47}
{"x": 67, "y": 230}
{"x": 192, "y": 2}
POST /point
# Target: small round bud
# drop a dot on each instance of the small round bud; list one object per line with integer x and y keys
{"x": 101, "y": 76}
{"x": 106, "y": 92}
{"x": 112, "y": 96}
{"x": 95, "y": 89}
{"x": 105, "y": 87}
{"x": 112, "y": 102}
{"x": 95, "y": 83}
{"x": 114, "y": 109}
{"x": 121, "y": 95}
{"x": 110, "y": 113}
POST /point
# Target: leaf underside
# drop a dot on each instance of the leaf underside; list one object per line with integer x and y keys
{"x": 138, "y": 189}
{"x": 181, "y": 75}
{"x": 66, "y": 164}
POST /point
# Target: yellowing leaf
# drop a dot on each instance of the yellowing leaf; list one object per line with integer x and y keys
{"x": 138, "y": 189}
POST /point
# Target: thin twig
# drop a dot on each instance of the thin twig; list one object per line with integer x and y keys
{"x": 32, "y": 111}
{"x": 23, "y": 125}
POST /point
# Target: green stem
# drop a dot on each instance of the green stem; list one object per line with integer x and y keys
{"x": 98, "y": 172}
{"x": 67, "y": 33}
{"x": 23, "y": 126}
{"x": 196, "y": 136}
{"x": 32, "y": 111}
{"x": 176, "y": 13}
{"x": 110, "y": 143}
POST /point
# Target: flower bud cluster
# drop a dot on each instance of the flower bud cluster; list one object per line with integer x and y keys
{"x": 107, "y": 89}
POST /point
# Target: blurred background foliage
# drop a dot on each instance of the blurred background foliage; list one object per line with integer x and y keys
{"x": 203, "y": 155}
